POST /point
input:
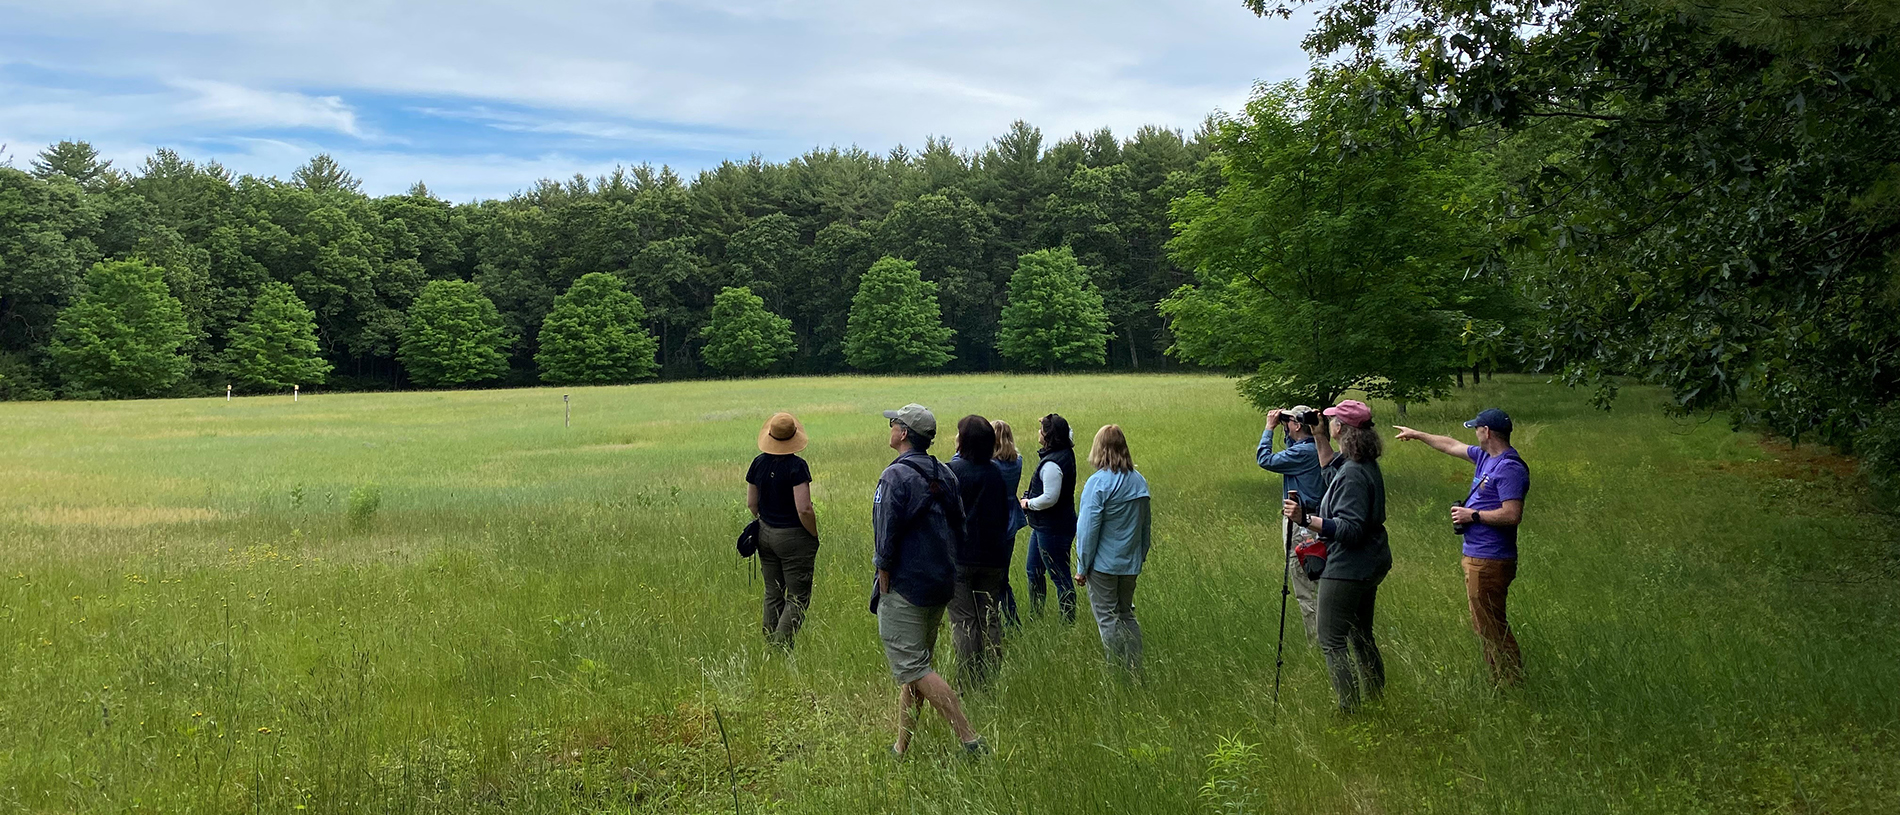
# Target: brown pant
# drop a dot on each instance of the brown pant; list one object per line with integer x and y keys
{"x": 1487, "y": 584}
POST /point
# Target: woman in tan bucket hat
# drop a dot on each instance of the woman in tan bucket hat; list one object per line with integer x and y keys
{"x": 778, "y": 491}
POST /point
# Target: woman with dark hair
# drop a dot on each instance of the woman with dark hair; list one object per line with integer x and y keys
{"x": 1351, "y": 521}
{"x": 1049, "y": 504}
{"x": 976, "y": 611}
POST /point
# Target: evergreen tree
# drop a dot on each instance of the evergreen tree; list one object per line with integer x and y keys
{"x": 276, "y": 345}
{"x": 1055, "y": 315}
{"x": 895, "y": 323}
{"x": 594, "y": 335}
{"x": 454, "y": 336}
{"x": 121, "y": 338}
{"x": 78, "y": 161}
{"x": 323, "y": 174}
{"x": 744, "y": 338}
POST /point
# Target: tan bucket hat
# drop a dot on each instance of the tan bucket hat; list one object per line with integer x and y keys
{"x": 782, "y": 435}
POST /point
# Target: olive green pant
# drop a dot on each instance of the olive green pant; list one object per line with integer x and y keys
{"x": 787, "y": 558}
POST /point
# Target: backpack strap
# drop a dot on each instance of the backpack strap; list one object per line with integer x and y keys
{"x": 952, "y": 504}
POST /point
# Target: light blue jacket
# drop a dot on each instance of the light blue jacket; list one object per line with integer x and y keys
{"x": 1111, "y": 527}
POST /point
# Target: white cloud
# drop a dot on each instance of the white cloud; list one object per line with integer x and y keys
{"x": 236, "y": 104}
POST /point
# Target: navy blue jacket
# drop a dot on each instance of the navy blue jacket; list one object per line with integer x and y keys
{"x": 914, "y": 533}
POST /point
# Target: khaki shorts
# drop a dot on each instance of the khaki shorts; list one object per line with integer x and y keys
{"x": 909, "y": 634}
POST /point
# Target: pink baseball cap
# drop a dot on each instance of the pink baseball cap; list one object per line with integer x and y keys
{"x": 1352, "y": 412}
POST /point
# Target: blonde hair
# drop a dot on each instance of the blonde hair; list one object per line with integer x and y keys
{"x": 1111, "y": 450}
{"x": 1005, "y": 441}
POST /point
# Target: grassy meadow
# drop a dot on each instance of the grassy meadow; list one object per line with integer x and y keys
{"x": 449, "y": 602}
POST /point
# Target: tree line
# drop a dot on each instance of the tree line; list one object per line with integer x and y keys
{"x": 750, "y": 267}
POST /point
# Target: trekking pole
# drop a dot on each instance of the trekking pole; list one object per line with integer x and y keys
{"x": 1279, "y": 650}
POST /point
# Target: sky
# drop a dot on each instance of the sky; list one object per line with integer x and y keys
{"x": 480, "y": 99}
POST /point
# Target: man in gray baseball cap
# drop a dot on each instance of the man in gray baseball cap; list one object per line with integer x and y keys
{"x": 916, "y": 526}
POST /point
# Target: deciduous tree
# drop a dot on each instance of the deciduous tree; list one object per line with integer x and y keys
{"x": 744, "y": 338}
{"x": 1055, "y": 315}
{"x": 896, "y": 324}
{"x": 276, "y": 345}
{"x": 454, "y": 336}
{"x": 121, "y": 337}
{"x": 1329, "y": 260}
{"x": 595, "y": 335}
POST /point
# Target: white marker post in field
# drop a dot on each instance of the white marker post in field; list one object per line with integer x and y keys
{"x": 227, "y": 393}
{"x": 295, "y": 391}
{"x": 567, "y": 412}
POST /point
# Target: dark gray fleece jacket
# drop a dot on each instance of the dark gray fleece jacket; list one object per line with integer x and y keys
{"x": 1354, "y": 527}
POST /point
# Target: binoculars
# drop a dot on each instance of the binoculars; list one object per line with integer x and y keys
{"x": 1309, "y": 418}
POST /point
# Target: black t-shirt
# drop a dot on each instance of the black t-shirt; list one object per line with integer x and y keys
{"x": 775, "y": 476}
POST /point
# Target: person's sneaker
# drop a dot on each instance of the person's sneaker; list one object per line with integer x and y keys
{"x": 975, "y": 748}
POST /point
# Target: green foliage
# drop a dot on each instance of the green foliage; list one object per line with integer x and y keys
{"x": 744, "y": 338}
{"x": 1721, "y": 212}
{"x": 276, "y": 345}
{"x": 323, "y": 175}
{"x": 48, "y": 229}
{"x": 595, "y": 335}
{"x": 20, "y": 381}
{"x": 365, "y": 499}
{"x": 1879, "y": 449}
{"x": 1330, "y": 260}
{"x": 454, "y": 336}
{"x": 1055, "y": 315}
{"x": 895, "y": 322}
{"x": 799, "y": 233}
{"x": 121, "y": 337}
{"x": 946, "y": 235}
{"x": 78, "y": 161}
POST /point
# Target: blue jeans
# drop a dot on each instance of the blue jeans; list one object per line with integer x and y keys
{"x": 1049, "y": 553}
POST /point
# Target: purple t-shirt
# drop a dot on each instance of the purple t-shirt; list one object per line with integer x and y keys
{"x": 1499, "y": 478}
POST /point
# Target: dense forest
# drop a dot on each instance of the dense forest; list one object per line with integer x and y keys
{"x": 1700, "y": 194}
{"x": 797, "y": 234}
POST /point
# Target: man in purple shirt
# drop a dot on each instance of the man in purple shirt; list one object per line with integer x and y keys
{"x": 1488, "y": 518}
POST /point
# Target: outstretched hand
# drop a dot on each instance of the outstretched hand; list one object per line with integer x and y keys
{"x": 1407, "y": 434}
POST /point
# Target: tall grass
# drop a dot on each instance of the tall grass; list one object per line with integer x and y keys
{"x": 447, "y": 602}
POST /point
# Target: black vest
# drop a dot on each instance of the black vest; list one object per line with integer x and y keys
{"x": 1061, "y": 516}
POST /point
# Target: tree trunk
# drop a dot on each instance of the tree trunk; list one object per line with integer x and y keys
{"x": 1401, "y": 403}
{"x": 1461, "y": 377}
{"x": 1474, "y": 374}
{"x": 1134, "y": 362}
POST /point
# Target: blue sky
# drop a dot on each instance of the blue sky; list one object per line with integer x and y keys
{"x": 480, "y": 99}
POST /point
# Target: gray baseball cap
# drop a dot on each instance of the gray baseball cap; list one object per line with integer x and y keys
{"x": 916, "y": 417}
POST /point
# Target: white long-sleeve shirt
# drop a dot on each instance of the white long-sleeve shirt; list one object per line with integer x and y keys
{"x": 1051, "y": 486}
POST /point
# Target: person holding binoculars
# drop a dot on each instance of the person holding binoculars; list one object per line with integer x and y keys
{"x": 1351, "y": 522}
{"x": 1298, "y": 466}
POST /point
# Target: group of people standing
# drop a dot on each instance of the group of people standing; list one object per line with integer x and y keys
{"x": 1336, "y": 549}
{"x": 944, "y": 535}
